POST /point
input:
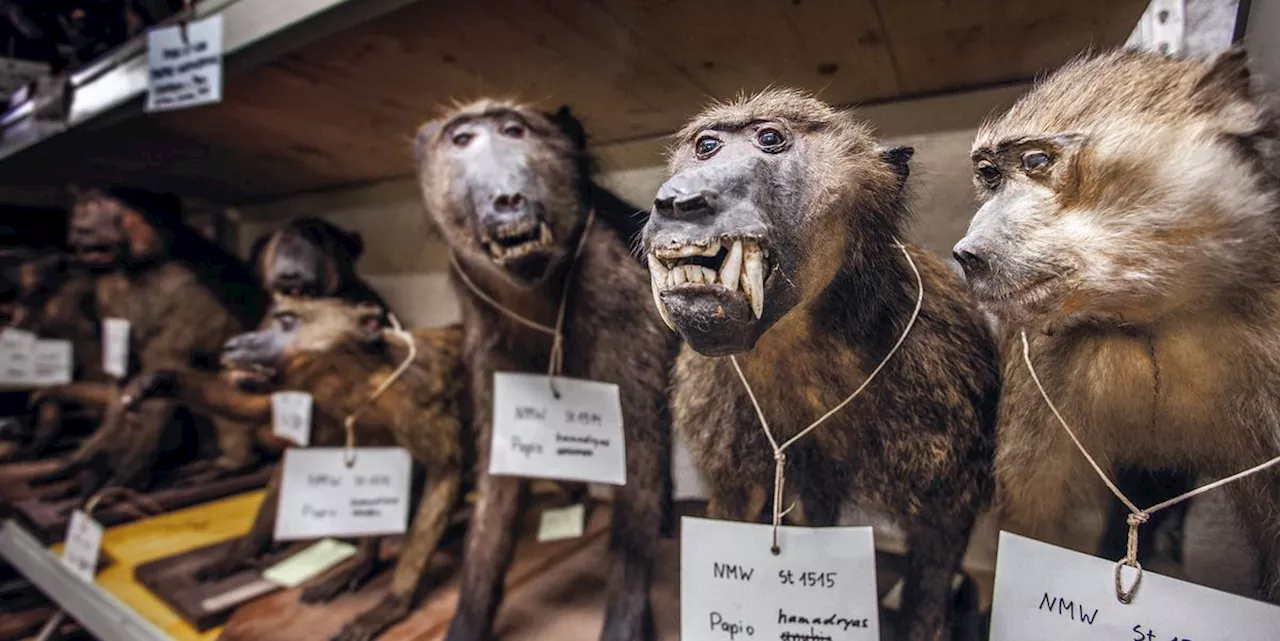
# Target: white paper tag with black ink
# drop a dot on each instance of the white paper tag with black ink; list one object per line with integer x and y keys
{"x": 184, "y": 65}
{"x": 115, "y": 347}
{"x": 577, "y": 437}
{"x": 291, "y": 416}
{"x": 320, "y": 496}
{"x": 84, "y": 540}
{"x": 558, "y": 524}
{"x": 53, "y": 362}
{"x": 1049, "y": 593}
{"x": 821, "y": 586}
{"x": 17, "y": 357}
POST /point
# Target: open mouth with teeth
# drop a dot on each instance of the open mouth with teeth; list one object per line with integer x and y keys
{"x": 515, "y": 240}
{"x": 96, "y": 254}
{"x": 732, "y": 270}
{"x": 250, "y": 377}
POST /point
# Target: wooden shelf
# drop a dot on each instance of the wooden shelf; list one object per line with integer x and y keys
{"x": 343, "y": 109}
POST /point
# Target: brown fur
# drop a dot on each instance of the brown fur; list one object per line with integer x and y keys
{"x": 917, "y": 444}
{"x": 183, "y": 296}
{"x": 337, "y": 359}
{"x": 1159, "y": 336}
{"x": 611, "y": 334}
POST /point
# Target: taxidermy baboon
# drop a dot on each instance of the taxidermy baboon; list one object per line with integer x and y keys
{"x": 510, "y": 189}
{"x": 314, "y": 258}
{"x": 1131, "y": 225}
{"x": 775, "y": 240}
{"x": 183, "y": 296}
{"x": 340, "y": 353}
{"x": 51, "y": 296}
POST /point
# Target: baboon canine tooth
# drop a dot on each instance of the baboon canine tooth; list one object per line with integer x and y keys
{"x": 732, "y": 267}
{"x": 753, "y": 285}
{"x": 659, "y": 272}
{"x": 657, "y": 301}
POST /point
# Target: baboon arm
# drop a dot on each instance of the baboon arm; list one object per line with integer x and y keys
{"x": 434, "y": 509}
{"x": 210, "y": 394}
{"x": 97, "y": 395}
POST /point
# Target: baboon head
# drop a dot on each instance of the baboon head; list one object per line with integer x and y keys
{"x": 1123, "y": 187}
{"x": 307, "y": 257}
{"x": 504, "y": 184}
{"x": 121, "y": 224}
{"x": 297, "y": 327}
{"x": 768, "y": 196}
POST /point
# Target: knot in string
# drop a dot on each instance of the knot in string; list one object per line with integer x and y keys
{"x": 1137, "y": 516}
{"x": 349, "y": 448}
{"x": 779, "y": 450}
{"x": 555, "y": 361}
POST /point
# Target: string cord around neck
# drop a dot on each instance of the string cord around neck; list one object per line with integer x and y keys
{"x": 555, "y": 364}
{"x": 779, "y": 450}
{"x": 397, "y": 330}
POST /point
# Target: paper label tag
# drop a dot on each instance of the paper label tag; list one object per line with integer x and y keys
{"x": 291, "y": 416}
{"x": 53, "y": 362}
{"x": 557, "y": 524}
{"x": 821, "y": 586}
{"x": 1049, "y": 593}
{"x": 115, "y": 347}
{"x": 84, "y": 540}
{"x": 577, "y": 437}
{"x": 17, "y": 356}
{"x": 184, "y": 72}
{"x": 320, "y": 496}
{"x": 309, "y": 563}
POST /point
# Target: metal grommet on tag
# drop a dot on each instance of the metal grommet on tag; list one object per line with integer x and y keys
{"x": 349, "y": 457}
{"x": 777, "y": 551}
{"x": 1126, "y": 595}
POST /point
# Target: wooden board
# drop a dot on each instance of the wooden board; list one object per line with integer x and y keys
{"x": 48, "y": 519}
{"x": 343, "y": 110}
{"x": 281, "y": 617}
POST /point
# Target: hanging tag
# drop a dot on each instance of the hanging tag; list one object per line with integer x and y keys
{"x": 320, "y": 496}
{"x": 557, "y": 524}
{"x": 1049, "y": 593}
{"x": 822, "y": 585}
{"x": 291, "y": 416}
{"x": 577, "y": 437}
{"x": 115, "y": 347}
{"x": 184, "y": 72}
{"x": 53, "y": 363}
{"x": 309, "y": 563}
{"x": 17, "y": 357}
{"x": 84, "y": 540}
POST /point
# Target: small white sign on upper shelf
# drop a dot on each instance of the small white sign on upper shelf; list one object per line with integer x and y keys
{"x": 184, "y": 65}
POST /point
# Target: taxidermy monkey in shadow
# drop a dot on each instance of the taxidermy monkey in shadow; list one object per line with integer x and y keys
{"x": 776, "y": 240}
{"x": 48, "y": 294}
{"x": 183, "y": 296}
{"x": 1130, "y": 223}
{"x": 340, "y": 353}
{"x": 310, "y": 257}
{"x": 510, "y": 190}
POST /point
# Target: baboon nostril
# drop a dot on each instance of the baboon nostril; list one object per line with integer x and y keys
{"x": 700, "y": 203}
{"x": 664, "y": 205}
{"x": 968, "y": 260}
{"x": 508, "y": 203}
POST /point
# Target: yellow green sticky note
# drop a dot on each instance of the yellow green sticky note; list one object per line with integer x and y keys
{"x": 301, "y": 567}
{"x": 562, "y": 523}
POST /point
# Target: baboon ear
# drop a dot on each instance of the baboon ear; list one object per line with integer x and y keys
{"x": 371, "y": 320}
{"x": 898, "y": 159}
{"x": 426, "y": 135}
{"x": 1226, "y": 91}
{"x": 571, "y": 126}
{"x": 352, "y": 241}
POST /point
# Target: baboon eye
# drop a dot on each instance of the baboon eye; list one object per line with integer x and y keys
{"x": 513, "y": 130}
{"x": 1034, "y": 160}
{"x": 706, "y": 146}
{"x": 461, "y": 138}
{"x": 989, "y": 173}
{"x": 770, "y": 139}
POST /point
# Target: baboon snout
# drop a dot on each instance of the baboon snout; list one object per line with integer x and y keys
{"x": 683, "y": 201}
{"x": 972, "y": 255}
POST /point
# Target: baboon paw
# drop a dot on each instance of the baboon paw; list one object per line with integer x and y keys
{"x": 390, "y": 611}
